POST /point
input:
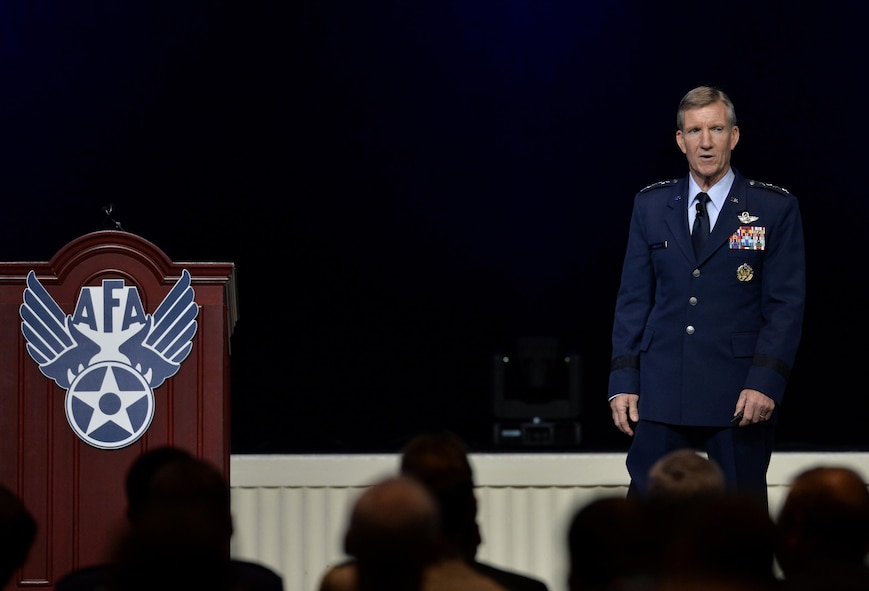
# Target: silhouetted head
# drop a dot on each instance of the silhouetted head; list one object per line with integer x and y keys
{"x": 181, "y": 531}
{"x": 440, "y": 461}
{"x": 684, "y": 474}
{"x": 825, "y": 517}
{"x": 392, "y": 534}
{"x": 141, "y": 472}
{"x": 608, "y": 544}
{"x": 730, "y": 538}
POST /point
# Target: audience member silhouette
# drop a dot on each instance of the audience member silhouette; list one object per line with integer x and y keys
{"x": 140, "y": 474}
{"x": 441, "y": 461}
{"x": 181, "y": 535}
{"x": 729, "y": 540}
{"x": 392, "y": 537}
{"x": 441, "y": 464}
{"x": 17, "y": 534}
{"x": 610, "y": 543}
{"x": 705, "y": 533}
{"x": 682, "y": 475}
{"x": 179, "y": 512}
{"x": 823, "y": 528}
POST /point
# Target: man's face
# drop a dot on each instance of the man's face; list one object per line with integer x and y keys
{"x": 707, "y": 140}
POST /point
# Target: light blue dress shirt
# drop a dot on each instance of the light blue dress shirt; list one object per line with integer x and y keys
{"x": 717, "y": 194}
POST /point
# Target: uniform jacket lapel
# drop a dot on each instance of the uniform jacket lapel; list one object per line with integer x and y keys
{"x": 677, "y": 219}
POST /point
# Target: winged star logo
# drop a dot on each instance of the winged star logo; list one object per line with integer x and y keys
{"x": 109, "y": 354}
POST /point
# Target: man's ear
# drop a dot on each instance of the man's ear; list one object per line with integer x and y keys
{"x": 680, "y": 141}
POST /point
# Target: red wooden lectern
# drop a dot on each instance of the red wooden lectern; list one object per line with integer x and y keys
{"x": 84, "y": 339}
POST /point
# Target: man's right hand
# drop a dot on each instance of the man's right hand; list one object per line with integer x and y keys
{"x": 624, "y": 408}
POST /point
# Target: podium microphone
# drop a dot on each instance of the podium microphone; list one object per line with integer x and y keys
{"x": 107, "y": 209}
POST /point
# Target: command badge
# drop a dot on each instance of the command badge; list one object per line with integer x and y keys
{"x": 745, "y": 272}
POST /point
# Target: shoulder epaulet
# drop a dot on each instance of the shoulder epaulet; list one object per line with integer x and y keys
{"x": 768, "y": 186}
{"x": 659, "y": 184}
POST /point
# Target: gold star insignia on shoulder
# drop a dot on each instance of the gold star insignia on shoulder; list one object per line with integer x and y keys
{"x": 659, "y": 184}
{"x": 768, "y": 186}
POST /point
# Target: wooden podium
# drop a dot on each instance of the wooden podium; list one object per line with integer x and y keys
{"x": 98, "y": 365}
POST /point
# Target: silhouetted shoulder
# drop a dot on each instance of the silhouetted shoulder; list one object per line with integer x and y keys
{"x": 341, "y": 577}
{"x": 513, "y": 581}
{"x": 659, "y": 185}
{"x": 252, "y": 576}
{"x": 88, "y": 578}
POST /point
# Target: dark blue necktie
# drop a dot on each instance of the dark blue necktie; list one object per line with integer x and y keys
{"x": 700, "y": 231}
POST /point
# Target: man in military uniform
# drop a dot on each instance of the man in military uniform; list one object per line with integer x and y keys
{"x": 709, "y": 312}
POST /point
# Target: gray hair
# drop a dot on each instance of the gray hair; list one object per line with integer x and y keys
{"x": 701, "y": 97}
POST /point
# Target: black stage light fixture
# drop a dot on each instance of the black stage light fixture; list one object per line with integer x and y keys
{"x": 536, "y": 388}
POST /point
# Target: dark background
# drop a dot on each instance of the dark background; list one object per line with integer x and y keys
{"x": 408, "y": 187}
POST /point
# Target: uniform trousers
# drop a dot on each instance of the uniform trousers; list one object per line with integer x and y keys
{"x": 743, "y": 453}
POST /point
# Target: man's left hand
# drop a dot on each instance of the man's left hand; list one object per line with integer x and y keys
{"x": 755, "y": 407}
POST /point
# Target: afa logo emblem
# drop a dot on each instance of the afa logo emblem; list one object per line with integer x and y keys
{"x": 109, "y": 354}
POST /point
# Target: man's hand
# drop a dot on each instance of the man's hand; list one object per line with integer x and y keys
{"x": 624, "y": 408}
{"x": 752, "y": 407}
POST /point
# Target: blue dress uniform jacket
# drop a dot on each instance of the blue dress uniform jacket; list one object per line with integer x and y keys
{"x": 691, "y": 332}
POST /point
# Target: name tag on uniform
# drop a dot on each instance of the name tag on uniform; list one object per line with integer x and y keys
{"x": 749, "y": 238}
